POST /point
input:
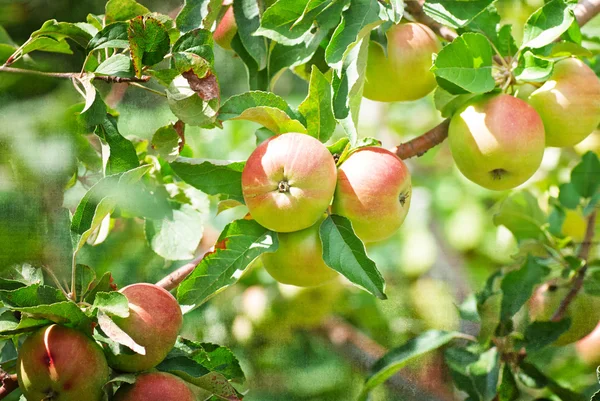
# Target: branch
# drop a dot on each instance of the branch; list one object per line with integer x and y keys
{"x": 9, "y": 384}
{"x": 421, "y": 144}
{"x": 171, "y": 281}
{"x": 584, "y": 12}
{"x": 71, "y": 75}
{"x": 584, "y": 253}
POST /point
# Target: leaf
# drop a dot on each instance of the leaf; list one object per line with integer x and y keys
{"x": 198, "y": 14}
{"x": 317, "y": 108}
{"x": 149, "y": 42}
{"x": 521, "y": 214}
{"x": 213, "y": 177}
{"x": 236, "y": 105}
{"x": 118, "y": 65}
{"x": 357, "y": 21}
{"x": 103, "y": 284}
{"x": 247, "y": 19}
{"x": 46, "y": 44}
{"x": 348, "y": 87}
{"x": 344, "y": 252}
{"x": 112, "y": 36}
{"x": 508, "y": 390}
{"x": 531, "y": 376}
{"x": 176, "y": 237}
{"x": 568, "y": 195}
{"x": 238, "y": 245}
{"x": 273, "y": 119}
{"x": 547, "y": 24}
{"x": 455, "y": 13}
{"x": 258, "y": 78}
{"x": 123, "y": 10}
{"x": 448, "y": 103}
{"x": 65, "y": 313}
{"x": 116, "y": 334}
{"x": 122, "y": 156}
{"x": 517, "y": 286}
{"x": 165, "y": 143}
{"x": 465, "y": 65}
{"x": 539, "y": 335}
{"x": 187, "y": 103}
{"x": 476, "y": 374}
{"x": 198, "y": 42}
{"x": 84, "y": 277}
{"x": 60, "y": 31}
{"x": 533, "y": 69}
{"x": 112, "y": 303}
{"x": 585, "y": 177}
{"x": 399, "y": 357}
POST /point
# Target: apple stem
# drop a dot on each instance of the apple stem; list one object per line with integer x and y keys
{"x": 583, "y": 254}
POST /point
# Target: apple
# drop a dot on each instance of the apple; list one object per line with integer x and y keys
{"x": 404, "y": 73}
{"x": 588, "y": 348}
{"x": 569, "y": 103}
{"x": 226, "y": 29}
{"x": 584, "y": 311}
{"x": 61, "y": 364}
{"x": 288, "y": 182}
{"x": 154, "y": 322}
{"x": 373, "y": 191}
{"x": 299, "y": 259}
{"x": 434, "y": 304}
{"x": 497, "y": 141}
{"x": 155, "y": 386}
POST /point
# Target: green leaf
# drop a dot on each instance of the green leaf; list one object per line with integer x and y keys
{"x": 198, "y": 14}
{"x": 116, "y": 334}
{"x": 64, "y": 30}
{"x": 399, "y": 357}
{"x": 247, "y": 18}
{"x": 149, "y": 42}
{"x": 165, "y": 143}
{"x": 65, "y": 313}
{"x": 118, "y": 65}
{"x": 508, "y": 390}
{"x": 176, "y": 237}
{"x": 476, "y": 374}
{"x": 111, "y": 36}
{"x": 194, "y": 100}
{"x": 568, "y": 195}
{"x": 258, "y": 78}
{"x": 357, "y": 22}
{"x": 344, "y": 252}
{"x": 348, "y": 89}
{"x": 521, "y": 214}
{"x": 547, "y": 24}
{"x": 112, "y": 303}
{"x": 123, "y": 10}
{"x": 103, "y": 284}
{"x": 31, "y": 296}
{"x": 448, "y": 103}
{"x": 532, "y": 68}
{"x": 517, "y": 286}
{"x": 236, "y": 105}
{"x": 455, "y": 13}
{"x": 84, "y": 279}
{"x": 46, "y": 44}
{"x": 199, "y": 42}
{"x": 465, "y": 65}
{"x": 122, "y": 156}
{"x": 531, "y": 376}
{"x": 317, "y": 108}
{"x": 539, "y": 335}
{"x": 213, "y": 177}
{"x": 238, "y": 245}
{"x": 585, "y": 177}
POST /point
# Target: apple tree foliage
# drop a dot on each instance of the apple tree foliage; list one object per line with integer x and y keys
{"x": 326, "y": 42}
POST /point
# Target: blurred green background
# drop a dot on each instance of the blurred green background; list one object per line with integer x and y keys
{"x": 285, "y": 337}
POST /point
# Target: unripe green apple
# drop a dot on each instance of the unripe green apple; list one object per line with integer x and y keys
{"x": 154, "y": 322}
{"x": 61, "y": 364}
{"x": 373, "y": 191}
{"x": 226, "y": 29}
{"x": 497, "y": 141}
{"x": 299, "y": 259}
{"x": 569, "y": 103}
{"x": 404, "y": 73}
{"x": 288, "y": 182}
{"x": 155, "y": 386}
{"x": 588, "y": 348}
{"x": 584, "y": 311}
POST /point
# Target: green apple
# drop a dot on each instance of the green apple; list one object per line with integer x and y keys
{"x": 435, "y": 304}
{"x": 299, "y": 259}
{"x": 497, "y": 141}
{"x": 288, "y": 182}
{"x": 226, "y": 29}
{"x": 156, "y": 386}
{"x": 404, "y": 73}
{"x": 569, "y": 103}
{"x": 584, "y": 311}
{"x": 374, "y": 192}
{"x": 61, "y": 364}
{"x": 154, "y": 322}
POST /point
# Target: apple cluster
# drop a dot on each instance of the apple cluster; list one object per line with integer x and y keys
{"x": 497, "y": 140}
{"x": 290, "y": 183}
{"x": 64, "y": 364}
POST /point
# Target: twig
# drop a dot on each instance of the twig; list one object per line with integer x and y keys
{"x": 584, "y": 253}
{"x": 421, "y": 144}
{"x": 415, "y": 8}
{"x": 586, "y": 10}
{"x": 9, "y": 384}
{"x": 147, "y": 89}
{"x": 70, "y": 75}
{"x": 171, "y": 281}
